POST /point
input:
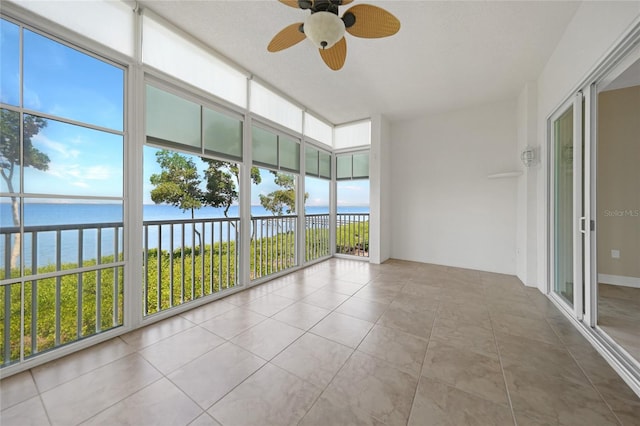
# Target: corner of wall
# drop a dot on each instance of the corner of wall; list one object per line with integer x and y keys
{"x": 526, "y": 222}
{"x": 379, "y": 187}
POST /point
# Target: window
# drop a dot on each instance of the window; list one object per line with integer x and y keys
{"x": 172, "y": 120}
{"x": 352, "y": 166}
{"x": 61, "y": 193}
{"x": 276, "y": 151}
{"x": 176, "y": 122}
{"x": 317, "y": 162}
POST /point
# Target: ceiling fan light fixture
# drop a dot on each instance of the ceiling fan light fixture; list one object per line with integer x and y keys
{"x": 324, "y": 29}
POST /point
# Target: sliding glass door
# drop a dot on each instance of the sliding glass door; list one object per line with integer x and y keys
{"x": 615, "y": 280}
{"x": 594, "y": 199}
{"x": 567, "y": 212}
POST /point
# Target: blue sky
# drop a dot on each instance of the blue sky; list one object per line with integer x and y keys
{"x": 64, "y": 82}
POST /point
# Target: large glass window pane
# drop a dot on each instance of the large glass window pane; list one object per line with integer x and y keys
{"x": 289, "y": 153}
{"x": 361, "y": 165}
{"x": 172, "y": 119}
{"x": 275, "y": 108}
{"x": 9, "y": 63}
{"x": 72, "y": 160}
{"x": 86, "y": 241}
{"x": 265, "y": 147}
{"x": 344, "y": 169}
{"x": 325, "y": 165}
{"x": 10, "y": 149}
{"x": 317, "y": 195}
{"x": 311, "y": 161}
{"x": 222, "y": 134}
{"x": 563, "y": 200}
{"x": 618, "y": 206}
{"x": 67, "y": 83}
{"x": 10, "y": 254}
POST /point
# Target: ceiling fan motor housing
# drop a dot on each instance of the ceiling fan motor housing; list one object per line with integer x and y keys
{"x": 324, "y": 29}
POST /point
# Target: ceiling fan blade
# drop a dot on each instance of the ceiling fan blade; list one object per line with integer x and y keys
{"x": 336, "y": 55}
{"x": 371, "y": 21}
{"x": 291, "y": 3}
{"x": 287, "y": 37}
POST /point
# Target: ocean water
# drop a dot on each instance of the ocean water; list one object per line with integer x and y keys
{"x": 111, "y": 239}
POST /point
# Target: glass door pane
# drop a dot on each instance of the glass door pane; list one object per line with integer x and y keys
{"x": 617, "y": 209}
{"x": 563, "y": 202}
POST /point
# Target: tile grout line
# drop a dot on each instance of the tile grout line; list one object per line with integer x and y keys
{"x": 584, "y": 372}
{"x": 341, "y": 367}
{"x": 504, "y": 377}
{"x": 415, "y": 392}
{"x": 44, "y": 407}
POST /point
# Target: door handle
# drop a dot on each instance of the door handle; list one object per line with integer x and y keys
{"x": 583, "y": 221}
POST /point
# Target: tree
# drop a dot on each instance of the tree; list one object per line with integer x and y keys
{"x": 178, "y": 183}
{"x": 281, "y": 199}
{"x": 10, "y": 158}
{"x": 223, "y": 180}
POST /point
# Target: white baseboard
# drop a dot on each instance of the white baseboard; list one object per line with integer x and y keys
{"x": 619, "y": 280}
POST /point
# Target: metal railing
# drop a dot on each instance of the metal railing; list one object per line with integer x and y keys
{"x": 352, "y": 234}
{"x": 273, "y": 244}
{"x": 71, "y": 282}
{"x": 317, "y": 236}
{"x": 70, "y": 286}
{"x": 188, "y": 259}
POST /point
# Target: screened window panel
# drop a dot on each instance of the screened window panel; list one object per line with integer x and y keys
{"x": 344, "y": 167}
{"x": 265, "y": 147}
{"x": 289, "y": 153}
{"x": 10, "y": 139}
{"x": 174, "y": 54}
{"x": 9, "y": 63}
{"x": 361, "y": 165}
{"x": 325, "y": 165}
{"x": 108, "y": 22}
{"x": 82, "y": 161}
{"x": 172, "y": 119}
{"x": 318, "y": 129}
{"x": 269, "y": 105}
{"x": 352, "y": 135}
{"x": 222, "y": 134}
{"x": 65, "y": 82}
{"x": 311, "y": 161}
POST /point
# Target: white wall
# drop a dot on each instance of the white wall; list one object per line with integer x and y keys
{"x": 380, "y": 195}
{"x": 592, "y": 32}
{"x": 527, "y": 219}
{"x": 444, "y": 208}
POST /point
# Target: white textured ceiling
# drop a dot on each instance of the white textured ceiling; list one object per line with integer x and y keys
{"x": 447, "y": 54}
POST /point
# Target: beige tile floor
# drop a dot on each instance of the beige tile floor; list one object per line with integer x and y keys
{"x": 619, "y": 316}
{"x": 341, "y": 342}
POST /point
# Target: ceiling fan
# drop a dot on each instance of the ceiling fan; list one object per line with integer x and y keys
{"x": 326, "y": 29}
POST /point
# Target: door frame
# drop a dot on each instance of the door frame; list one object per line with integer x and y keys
{"x": 574, "y": 102}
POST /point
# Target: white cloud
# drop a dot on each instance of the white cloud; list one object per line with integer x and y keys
{"x": 99, "y": 172}
{"x": 32, "y": 99}
{"x": 80, "y": 176}
{"x": 57, "y": 147}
